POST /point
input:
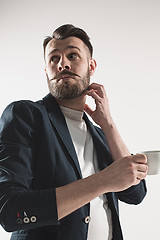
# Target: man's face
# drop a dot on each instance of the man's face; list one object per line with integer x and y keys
{"x": 68, "y": 67}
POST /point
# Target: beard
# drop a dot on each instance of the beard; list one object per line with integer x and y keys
{"x": 69, "y": 89}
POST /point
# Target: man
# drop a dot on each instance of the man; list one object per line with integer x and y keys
{"x": 61, "y": 177}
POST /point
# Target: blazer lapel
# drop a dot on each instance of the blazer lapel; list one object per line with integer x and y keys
{"x": 58, "y": 120}
{"x": 100, "y": 144}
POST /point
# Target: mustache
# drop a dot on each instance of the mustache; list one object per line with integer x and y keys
{"x": 63, "y": 73}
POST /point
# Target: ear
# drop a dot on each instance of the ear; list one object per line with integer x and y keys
{"x": 92, "y": 66}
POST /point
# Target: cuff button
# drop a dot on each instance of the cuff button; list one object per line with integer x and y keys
{"x": 19, "y": 221}
{"x": 33, "y": 219}
{"x": 26, "y": 220}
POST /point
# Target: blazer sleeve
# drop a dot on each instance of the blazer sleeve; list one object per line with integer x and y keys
{"x": 21, "y": 207}
{"x": 133, "y": 195}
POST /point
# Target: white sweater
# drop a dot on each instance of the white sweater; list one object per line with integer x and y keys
{"x": 100, "y": 226}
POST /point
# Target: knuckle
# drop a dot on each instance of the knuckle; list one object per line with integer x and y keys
{"x": 131, "y": 165}
{"x": 131, "y": 175}
{"x": 146, "y": 169}
{"x": 127, "y": 159}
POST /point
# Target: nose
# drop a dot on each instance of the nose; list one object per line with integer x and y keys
{"x": 63, "y": 64}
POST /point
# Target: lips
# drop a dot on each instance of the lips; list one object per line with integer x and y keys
{"x": 63, "y": 77}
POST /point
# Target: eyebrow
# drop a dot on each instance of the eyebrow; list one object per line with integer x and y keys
{"x": 68, "y": 47}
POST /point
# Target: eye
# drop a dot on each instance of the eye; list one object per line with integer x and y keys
{"x": 73, "y": 56}
{"x": 54, "y": 59}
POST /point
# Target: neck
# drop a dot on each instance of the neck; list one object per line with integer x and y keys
{"x": 76, "y": 103}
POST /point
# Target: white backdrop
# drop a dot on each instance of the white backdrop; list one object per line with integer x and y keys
{"x": 126, "y": 39}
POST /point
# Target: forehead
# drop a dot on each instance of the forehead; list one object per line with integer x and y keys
{"x": 62, "y": 45}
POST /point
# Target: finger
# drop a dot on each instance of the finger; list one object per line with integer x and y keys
{"x": 99, "y": 88}
{"x": 93, "y": 94}
{"x": 142, "y": 168}
{"x": 88, "y": 109}
{"x": 141, "y": 175}
{"x": 140, "y": 158}
{"x": 95, "y": 86}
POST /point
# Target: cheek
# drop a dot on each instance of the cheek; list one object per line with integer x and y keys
{"x": 50, "y": 71}
{"x": 83, "y": 68}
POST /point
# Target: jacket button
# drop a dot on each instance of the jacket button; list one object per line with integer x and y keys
{"x": 87, "y": 219}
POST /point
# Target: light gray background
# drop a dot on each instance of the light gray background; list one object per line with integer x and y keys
{"x": 126, "y": 39}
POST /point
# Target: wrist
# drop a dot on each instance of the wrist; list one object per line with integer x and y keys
{"x": 107, "y": 123}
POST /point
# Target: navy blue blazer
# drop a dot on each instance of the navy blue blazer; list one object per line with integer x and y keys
{"x": 36, "y": 156}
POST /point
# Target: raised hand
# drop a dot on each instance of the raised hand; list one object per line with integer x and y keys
{"x": 102, "y": 112}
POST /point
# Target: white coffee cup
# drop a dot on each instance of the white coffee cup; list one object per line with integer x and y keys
{"x": 153, "y": 162}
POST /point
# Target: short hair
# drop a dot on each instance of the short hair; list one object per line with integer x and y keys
{"x": 68, "y": 30}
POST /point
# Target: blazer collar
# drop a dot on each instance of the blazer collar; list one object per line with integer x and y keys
{"x": 58, "y": 120}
